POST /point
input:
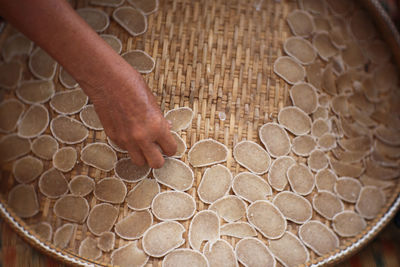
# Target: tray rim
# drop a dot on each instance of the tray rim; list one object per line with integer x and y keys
{"x": 391, "y": 36}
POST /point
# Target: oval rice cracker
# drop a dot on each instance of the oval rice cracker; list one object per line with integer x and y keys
{"x": 215, "y": 183}
{"x": 71, "y": 208}
{"x": 65, "y": 159}
{"x": 348, "y": 223}
{"x": 348, "y": 189}
{"x": 370, "y": 202}
{"x": 90, "y": 118}
{"x": 275, "y": 139}
{"x": 141, "y": 196}
{"x": 35, "y": 92}
{"x": 301, "y": 49}
{"x": 184, "y": 257}
{"x": 140, "y": 61}
{"x": 203, "y": 227}
{"x": 250, "y": 187}
{"x": 27, "y": 169}
{"x": 11, "y": 111}
{"x": 44, "y": 230}
{"x": 99, "y": 155}
{"x": 301, "y": 179}
{"x": 162, "y": 238}
{"x": 207, "y": 152}
{"x": 97, "y": 19}
{"x": 175, "y": 174}
{"x": 317, "y": 160}
{"x": 34, "y": 122}
{"x": 230, "y": 208}
{"x": 66, "y": 79}
{"x": 294, "y": 120}
{"x": 344, "y": 169}
{"x": 88, "y": 249}
{"x": 102, "y": 218}
{"x": 69, "y": 102}
{"x": 111, "y": 190}
{"x": 134, "y": 225}
{"x": 173, "y": 205}
{"x": 129, "y": 255}
{"x": 181, "y": 118}
{"x": 16, "y": 45}
{"x": 324, "y": 46}
{"x": 220, "y": 253}
{"x": 327, "y": 204}
{"x": 318, "y": 237}
{"x": 253, "y": 252}
{"x": 301, "y": 23}
{"x": 267, "y": 219}
{"x": 146, "y": 6}
{"x": 63, "y": 235}
{"x": 42, "y": 65}
{"x": 53, "y": 184}
{"x": 303, "y": 145}
{"x": 180, "y": 145}
{"x": 289, "y": 250}
{"x": 289, "y": 69}
{"x": 238, "y": 230}
{"x": 131, "y": 19}
{"x": 319, "y": 128}
{"x": 325, "y": 180}
{"x": 304, "y": 96}
{"x": 106, "y": 241}
{"x": 252, "y": 156}
{"x": 294, "y": 207}
{"x": 81, "y": 185}
{"x": 129, "y": 172}
{"x": 68, "y": 130}
{"x": 22, "y": 199}
{"x": 12, "y": 147}
{"x": 44, "y": 147}
{"x": 113, "y": 41}
{"x": 277, "y": 173}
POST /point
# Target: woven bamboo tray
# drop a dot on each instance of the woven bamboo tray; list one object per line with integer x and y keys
{"x": 215, "y": 57}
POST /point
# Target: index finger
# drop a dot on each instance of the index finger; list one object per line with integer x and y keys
{"x": 167, "y": 143}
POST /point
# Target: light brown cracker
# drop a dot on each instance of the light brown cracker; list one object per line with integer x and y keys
{"x": 27, "y": 169}
{"x": 275, "y": 139}
{"x": 294, "y": 207}
{"x": 220, "y": 253}
{"x": 346, "y": 169}
{"x": 63, "y": 235}
{"x": 140, "y": 60}
{"x": 207, "y": 152}
{"x": 277, "y": 173}
{"x": 16, "y": 45}
{"x": 324, "y": 45}
{"x": 68, "y": 130}
{"x": 301, "y": 23}
{"x": 181, "y": 118}
{"x": 294, "y": 120}
{"x": 69, "y": 102}
{"x": 175, "y": 174}
{"x": 238, "y": 230}
{"x": 11, "y": 111}
{"x": 303, "y": 145}
{"x": 327, "y": 204}
{"x": 88, "y": 249}
{"x": 301, "y": 179}
{"x": 134, "y": 225}
{"x": 22, "y": 199}
{"x": 252, "y": 156}
{"x": 301, "y": 49}
{"x": 102, "y": 218}
{"x": 250, "y": 187}
{"x": 304, "y": 96}
{"x": 146, "y": 6}
{"x": 141, "y": 196}
{"x": 129, "y": 255}
{"x": 370, "y": 202}
{"x": 53, "y": 184}
{"x": 289, "y": 250}
{"x": 173, "y": 205}
{"x": 71, "y": 208}
{"x": 35, "y": 92}
{"x": 184, "y": 257}
{"x": 66, "y": 79}
{"x": 44, "y": 230}
{"x": 348, "y": 223}
{"x": 132, "y": 20}
{"x": 318, "y": 237}
{"x": 203, "y": 227}
{"x": 81, "y": 185}
{"x": 289, "y": 69}
{"x": 325, "y": 180}
{"x": 215, "y": 183}
{"x": 99, "y": 155}
{"x": 348, "y": 189}
{"x": 90, "y": 118}
{"x": 106, "y": 241}
{"x": 42, "y": 65}
{"x": 12, "y": 147}
{"x": 34, "y": 122}
{"x": 230, "y": 208}
{"x": 129, "y": 172}
{"x": 97, "y": 19}
{"x": 111, "y": 190}
{"x": 253, "y": 252}
{"x": 65, "y": 159}
{"x": 113, "y": 41}
{"x": 44, "y": 147}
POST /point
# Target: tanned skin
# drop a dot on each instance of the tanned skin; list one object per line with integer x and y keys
{"x": 122, "y": 99}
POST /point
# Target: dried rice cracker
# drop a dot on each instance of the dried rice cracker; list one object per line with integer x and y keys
{"x": 375, "y": 170}
{"x": 319, "y": 128}
{"x": 340, "y": 106}
{"x": 65, "y": 159}
{"x": 275, "y": 139}
{"x": 207, "y": 152}
{"x": 35, "y": 92}
{"x": 12, "y": 147}
{"x": 22, "y": 199}
{"x": 324, "y": 46}
{"x": 329, "y": 80}
{"x": 301, "y": 23}
{"x": 370, "y": 202}
{"x": 313, "y": 6}
{"x": 383, "y": 160}
{"x": 327, "y": 142}
{"x": 327, "y": 204}
{"x": 175, "y": 174}
{"x": 353, "y": 129}
{"x": 27, "y": 169}
{"x": 361, "y": 26}
{"x": 385, "y": 78}
{"x": 44, "y": 147}
{"x": 346, "y": 169}
{"x": 102, "y": 218}
{"x": 113, "y": 41}
{"x": 377, "y": 51}
{"x": 353, "y": 55}
{"x": 69, "y": 102}
{"x": 115, "y": 146}
{"x": 314, "y": 74}
{"x": 66, "y": 79}
{"x": 294, "y": 120}
{"x": 362, "y": 118}
{"x": 253, "y": 252}
{"x": 63, "y": 235}
{"x": 267, "y": 219}
{"x": 322, "y": 24}
{"x": 53, "y": 184}
{"x": 44, "y": 230}
{"x": 387, "y": 135}
{"x": 146, "y": 6}
{"x": 340, "y": 7}
{"x": 90, "y": 118}
{"x": 141, "y": 196}
{"x": 359, "y": 100}
{"x": 238, "y": 230}
{"x": 184, "y": 257}
{"x": 366, "y": 180}
{"x": 220, "y": 253}
{"x": 42, "y": 65}
{"x": 162, "y": 238}
{"x": 277, "y": 173}
{"x": 99, "y": 155}
{"x": 68, "y": 130}
{"x": 97, "y": 19}
{"x": 173, "y": 205}
{"x": 10, "y": 74}
{"x": 304, "y": 96}
{"x": 294, "y": 207}
{"x": 16, "y": 45}
{"x": 356, "y": 144}
{"x": 11, "y": 111}
{"x": 34, "y": 122}
{"x": 301, "y": 179}
{"x": 203, "y": 227}
{"x": 289, "y": 69}
{"x": 140, "y": 61}
{"x": 344, "y": 84}
{"x": 348, "y": 223}
{"x": 71, "y": 208}
{"x": 318, "y": 237}
{"x": 337, "y": 64}
{"x": 300, "y": 49}
{"x": 348, "y": 189}
{"x": 181, "y": 145}
{"x": 129, "y": 172}
{"x": 88, "y": 249}
{"x": 252, "y": 156}
{"x": 387, "y": 150}
{"x": 110, "y": 3}
{"x": 181, "y": 118}
{"x": 131, "y": 19}
{"x": 320, "y": 113}
{"x": 250, "y": 187}
{"x": 325, "y": 180}
{"x": 303, "y": 145}
{"x": 134, "y": 225}
{"x": 289, "y": 250}
{"x": 129, "y": 255}
{"x": 81, "y": 185}
{"x": 215, "y": 183}
{"x": 111, "y": 190}
{"x": 106, "y": 241}
{"x": 230, "y": 208}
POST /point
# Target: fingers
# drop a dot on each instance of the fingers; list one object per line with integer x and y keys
{"x": 166, "y": 141}
{"x": 153, "y": 155}
{"x": 136, "y": 155}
